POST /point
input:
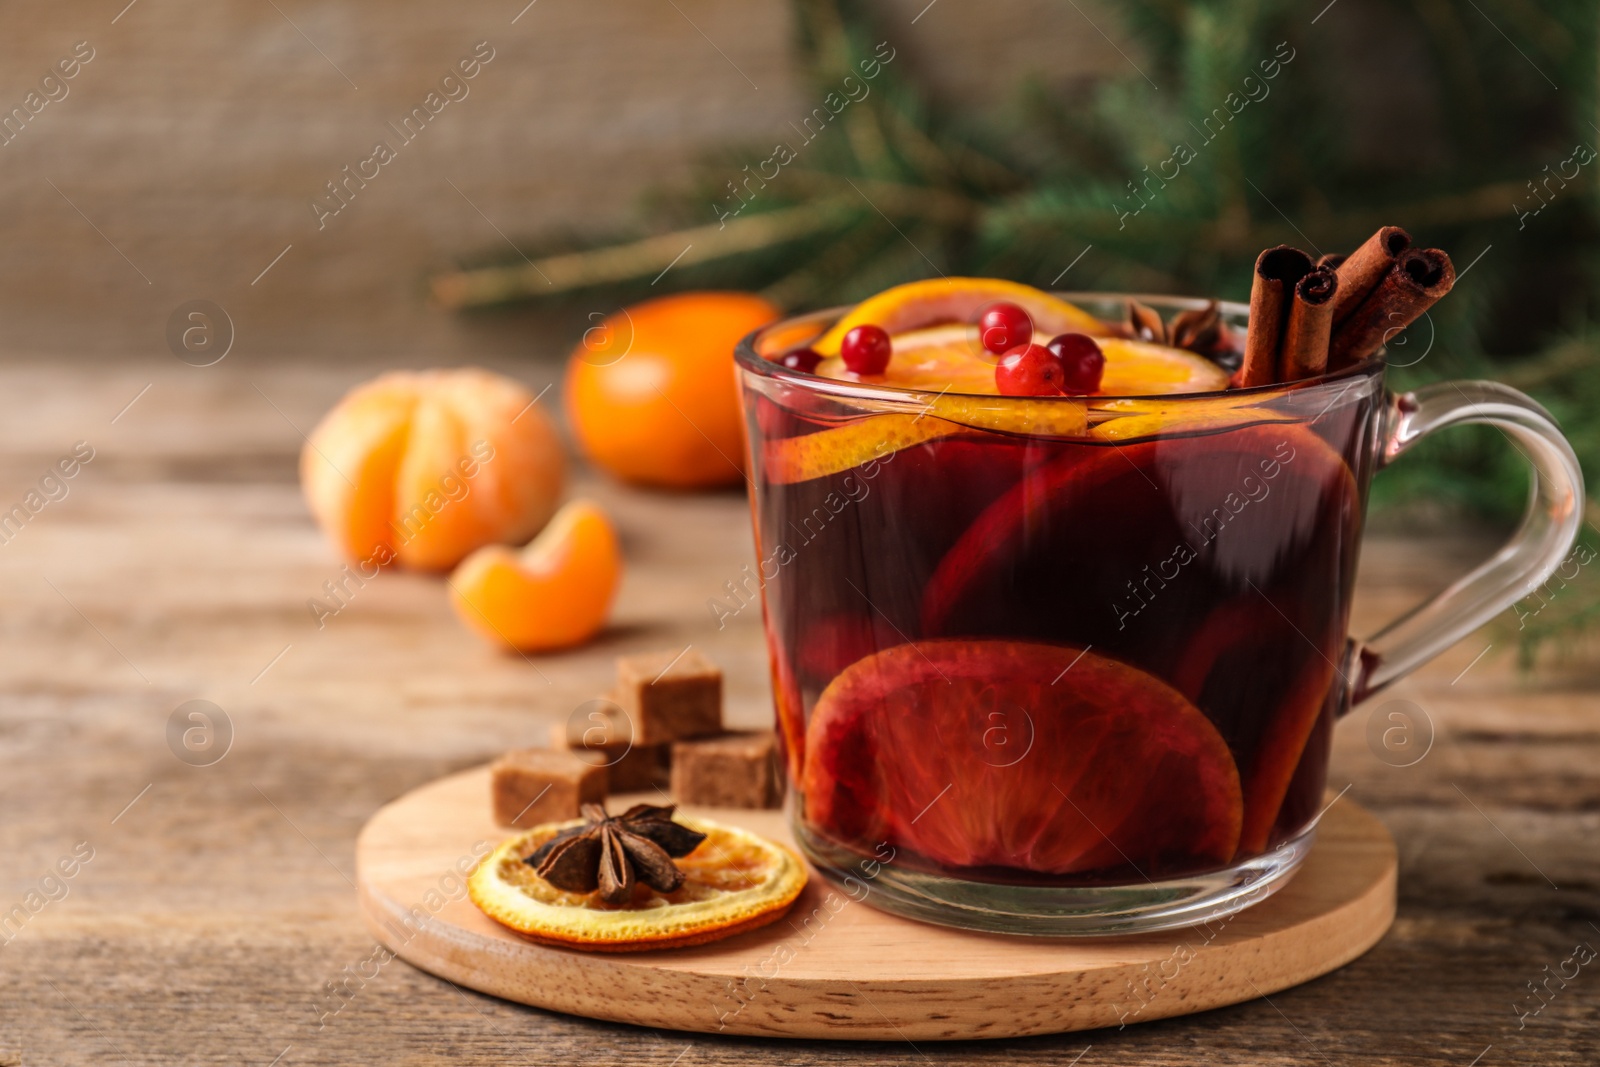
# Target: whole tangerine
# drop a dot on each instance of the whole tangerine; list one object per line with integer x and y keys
{"x": 652, "y": 395}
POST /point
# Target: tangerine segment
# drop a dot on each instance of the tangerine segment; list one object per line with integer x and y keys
{"x": 945, "y": 300}
{"x": 840, "y": 448}
{"x": 554, "y": 593}
{"x": 1098, "y": 764}
{"x": 734, "y": 881}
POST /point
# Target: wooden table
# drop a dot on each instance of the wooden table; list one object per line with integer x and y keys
{"x": 217, "y": 903}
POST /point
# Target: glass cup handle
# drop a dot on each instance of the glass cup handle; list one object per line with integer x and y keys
{"x": 1535, "y": 550}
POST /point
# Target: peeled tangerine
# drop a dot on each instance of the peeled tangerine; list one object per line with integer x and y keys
{"x": 423, "y": 467}
{"x": 554, "y": 593}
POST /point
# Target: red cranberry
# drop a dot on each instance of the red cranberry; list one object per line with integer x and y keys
{"x": 803, "y": 360}
{"x": 1082, "y": 363}
{"x": 1003, "y": 327}
{"x": 1031, "y": 370}
{"x": 865, "y": 350}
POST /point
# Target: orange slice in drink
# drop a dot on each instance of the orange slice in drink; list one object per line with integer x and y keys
{"x": 734, "y": 881}
{"x": 937, "y": 358}
{"x": 1138, "y": 368}
{"x": 1131, "y": 418}
{"x": 950, "y": 359}
{"x": 1044, "y": 758}
{"x": 789, "y": 704}
{"x": 815, "y": 455}
{"x": 872, "y": 437}
{"x": 937, "y": 301}
{"x": 1028, "y": 524}
{"x": 947, "y": 362}
{"x": 1042, "y": 541}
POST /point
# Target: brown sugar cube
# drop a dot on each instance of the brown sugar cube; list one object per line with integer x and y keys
{"x": 732, "y": 771}
{"x": 536, "y": 785}
{"x": 670, "y": 696}
{"x": 629, "y": 767}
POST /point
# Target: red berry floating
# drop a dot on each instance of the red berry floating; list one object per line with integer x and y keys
{"x": 865, "y": 350}
{"x": 1003, "y": 327}
{"x": 1031, "y": 370}
{"x": 803, "y": 360}
{"x": 1082, "y": 363}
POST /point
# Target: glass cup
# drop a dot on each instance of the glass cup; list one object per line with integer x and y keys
{"x": 1071, "y": 665}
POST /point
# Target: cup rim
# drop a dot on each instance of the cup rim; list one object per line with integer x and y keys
{"x": 747, "y": 358}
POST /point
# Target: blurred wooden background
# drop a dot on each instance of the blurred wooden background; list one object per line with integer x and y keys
{"x": 186, "y": 153}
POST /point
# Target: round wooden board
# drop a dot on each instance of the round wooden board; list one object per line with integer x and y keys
{"x": 837, "y": 968}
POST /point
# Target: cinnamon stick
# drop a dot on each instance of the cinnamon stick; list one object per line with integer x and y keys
{"x": 1305, "y": 339}
{"x": 1278, "y": 270}
{"x": 1332, "y": 260}
{"x": 1364, "y": 268}
{"x": 1419, "y": 277}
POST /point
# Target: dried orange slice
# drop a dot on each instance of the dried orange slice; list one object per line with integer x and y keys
{"x": 959, "y": 300}
{"x": 734, "y": 881}
{"x": 1011, "y": 754}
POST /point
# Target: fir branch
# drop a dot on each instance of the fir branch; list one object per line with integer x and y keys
{"x": 637, "y": 259}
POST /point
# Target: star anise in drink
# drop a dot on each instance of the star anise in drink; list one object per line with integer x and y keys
{"x": 1144, "y": 323}
{"x": 610, "y": 853}
{"x": 1201, "y": 331}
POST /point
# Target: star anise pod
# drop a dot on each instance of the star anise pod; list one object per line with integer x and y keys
{"x": 1201, "y": 331}
{"x": 610, "y": 853}
{"x": 1145, "y": 324}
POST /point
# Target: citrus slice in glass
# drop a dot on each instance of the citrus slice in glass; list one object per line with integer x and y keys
{"x": 950, "y": 359}
{"x": 1138, "y": 368}
{"x": 937, "y": 301}
{"x": 788, "y": 703}
{"x": 1009, "y": 754}
{"x": 1048, "y": 519}
{"x": 872, "y": 437}
{"x": 733, "y": 882}
{"x": 948, "y": 362}
{"x": 1130, "y": 418}
{"x": 1233, "y": 515}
